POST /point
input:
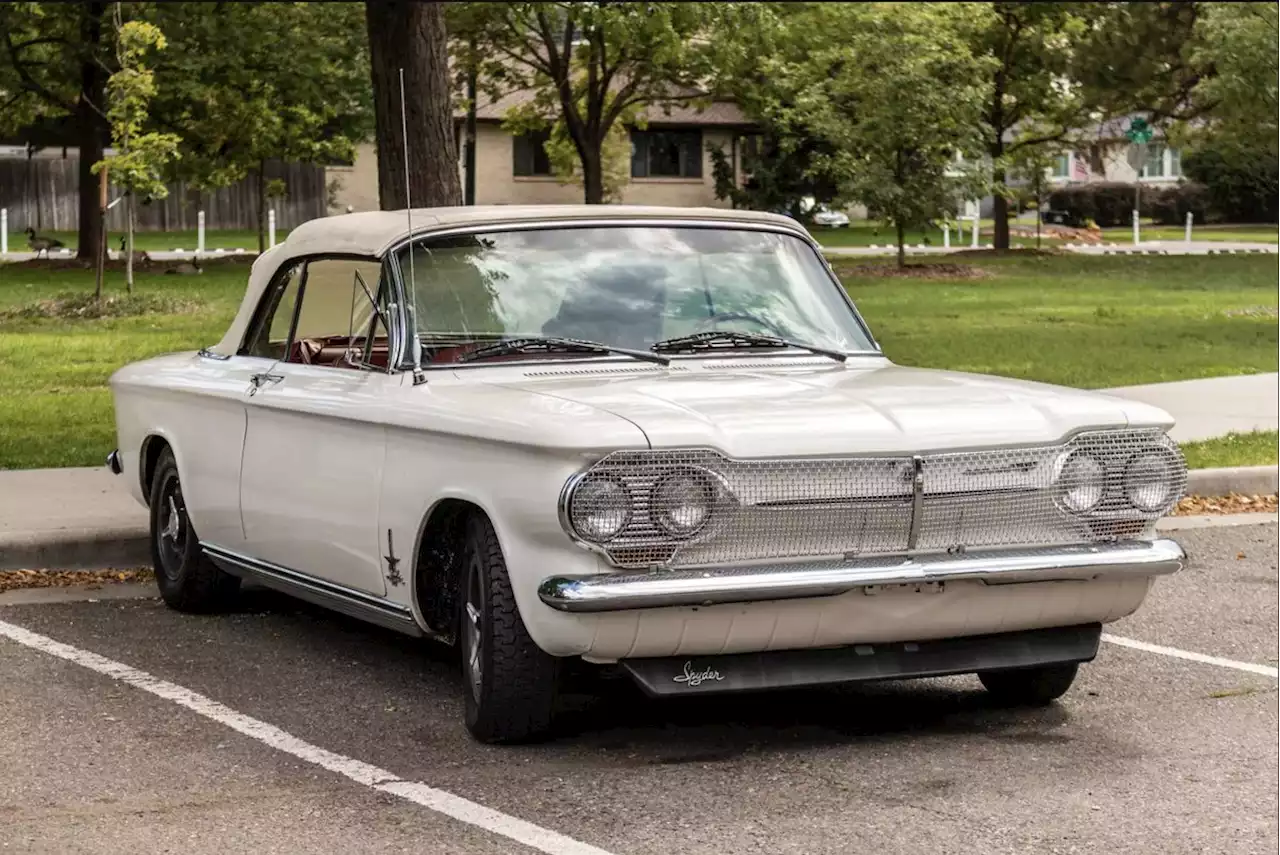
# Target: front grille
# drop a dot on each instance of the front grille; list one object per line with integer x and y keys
{"x": 778, "y": 509}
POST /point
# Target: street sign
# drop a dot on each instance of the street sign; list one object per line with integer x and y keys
{"x": 1139, "y": 131}
{"x": 1137, "y": 155}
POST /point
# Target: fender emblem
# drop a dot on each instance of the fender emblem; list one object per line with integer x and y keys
{"x": 696, "y": 678}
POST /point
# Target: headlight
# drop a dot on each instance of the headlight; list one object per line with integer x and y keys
{"x": 1149, "y": 481}
{"x": 599, "y": 508}
{"x": 1079, "y": 481}
{"x": 682, "y": 501}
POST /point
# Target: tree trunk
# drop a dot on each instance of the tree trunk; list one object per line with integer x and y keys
{"x": 128, "y": 247}
{"x": 262, "y": 206}
{"x": 1000, "y": 210}
{"x": 902, "y": 246}
{"x": 89, "y": 130}
{"x": 411, "y": 36}
{"x": 592, "y": 175}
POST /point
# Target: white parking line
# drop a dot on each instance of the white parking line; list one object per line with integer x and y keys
{"x": 463, "y": 810}
{"x": 1264, "y": 670}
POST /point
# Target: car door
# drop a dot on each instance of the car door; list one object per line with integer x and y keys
{"x": 314, "y": 450}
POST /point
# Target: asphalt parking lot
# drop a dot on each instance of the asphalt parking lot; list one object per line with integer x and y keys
{"x": 281, "y": 728}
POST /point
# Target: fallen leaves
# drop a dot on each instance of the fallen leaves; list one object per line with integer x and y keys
{"x": 12, "y": 580}
{"x": 1231, "y": 504}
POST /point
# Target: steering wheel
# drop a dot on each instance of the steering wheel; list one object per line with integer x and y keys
{"x": 707, "y": 323}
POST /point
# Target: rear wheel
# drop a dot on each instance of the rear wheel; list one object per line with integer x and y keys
{"x": 510, "y": 683}
{"x": 188, "y": 581}
{"x": 1030, "y": 687}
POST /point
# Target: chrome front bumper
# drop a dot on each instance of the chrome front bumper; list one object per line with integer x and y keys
{"x": 711, "y": 586}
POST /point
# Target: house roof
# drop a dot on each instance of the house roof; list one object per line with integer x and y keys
{"x": 719, "y": 113}
{"x": 374, "y": 233}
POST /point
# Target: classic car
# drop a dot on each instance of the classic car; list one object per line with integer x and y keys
{"x": 661, "y": 441}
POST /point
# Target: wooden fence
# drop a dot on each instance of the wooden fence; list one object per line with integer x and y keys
{"x": 43, "y": 193}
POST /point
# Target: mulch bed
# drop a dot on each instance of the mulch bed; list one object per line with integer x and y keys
{"x": 12, "y": 580}
{"x": 1232, "y": 504}
{"x": 913, "y": 271}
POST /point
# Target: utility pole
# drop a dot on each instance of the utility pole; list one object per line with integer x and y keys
{"x": 469, "y": 155}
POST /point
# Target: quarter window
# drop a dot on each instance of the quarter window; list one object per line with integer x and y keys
{"x": 270, "y": 338}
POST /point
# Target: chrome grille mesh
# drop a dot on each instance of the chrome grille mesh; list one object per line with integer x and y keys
{"x": 772, "y": 509}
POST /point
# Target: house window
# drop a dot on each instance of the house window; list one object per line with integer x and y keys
{"x": 1061, "y": 168}
{"x": 1162, "y": 162}
{"x": 529, "y": 153}
{"x": 666, "y": 154}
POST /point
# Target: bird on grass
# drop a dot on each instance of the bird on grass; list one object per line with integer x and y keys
{"x": 139, "y": 257}
{"x": 41, "y": 244}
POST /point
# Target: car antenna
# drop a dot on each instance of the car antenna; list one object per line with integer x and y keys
{"x": 415, "y": 346}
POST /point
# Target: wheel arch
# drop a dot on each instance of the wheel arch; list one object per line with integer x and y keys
{"x": 148, "y": 458}
{"x": 437, "y": 556}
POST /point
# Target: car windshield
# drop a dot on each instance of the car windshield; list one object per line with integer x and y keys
{"x": 624, "y": 287}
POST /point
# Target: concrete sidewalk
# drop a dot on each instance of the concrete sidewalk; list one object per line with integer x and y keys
{"x": 72, "y": 518}
{"x": 1212, "y": 407}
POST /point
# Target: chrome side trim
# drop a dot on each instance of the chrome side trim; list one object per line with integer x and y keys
{"x": 339, "y": 598}
{"x": 206, "y": 353}
{"x": 710, "y": 586}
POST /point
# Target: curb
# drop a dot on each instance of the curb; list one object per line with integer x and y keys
{"x": 76, "y": 549}
{"x": 130, "y": 546}
{"x": 1244, "y": 480}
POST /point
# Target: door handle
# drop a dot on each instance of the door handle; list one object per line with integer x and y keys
{"x": 257, "y": 381}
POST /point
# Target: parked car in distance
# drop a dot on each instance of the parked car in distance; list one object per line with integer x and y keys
{"x": 662, "y": 440}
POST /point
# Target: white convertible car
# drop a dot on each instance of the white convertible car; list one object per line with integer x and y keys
{"x": 660, "y": 439}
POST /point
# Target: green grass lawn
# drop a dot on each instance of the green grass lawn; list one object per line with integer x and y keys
{"x": 1081, "y": 321}
{"x": 1257, "y": 448}
{"x": 154, "y": 241}
{"x": 1249, "y": 234}
{"x": 1089, "y": 322}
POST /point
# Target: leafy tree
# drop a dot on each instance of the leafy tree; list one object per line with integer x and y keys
{"x": 590, "y": 67}
{"x": 55, "y": 63}
{"x": 411, "y": 36}
{"x": 140, "y": 156}
{"x": 1232, "y": 146}
{"x": 245, "y": 83}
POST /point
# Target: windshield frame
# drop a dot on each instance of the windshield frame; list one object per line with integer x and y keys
{"x": 408, "y": 323}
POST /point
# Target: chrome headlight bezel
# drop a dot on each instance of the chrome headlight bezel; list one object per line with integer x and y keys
{"x": 701, "y": 481}
{"x": 1064, "y": 469}
{"x": 1168, "y": 464}
{"x": 575, "y": 514}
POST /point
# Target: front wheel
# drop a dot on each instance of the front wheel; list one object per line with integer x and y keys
{"x": 188, "y": 581}
{"x": 1029, "y": 687}
{"x": 510, "y": 683}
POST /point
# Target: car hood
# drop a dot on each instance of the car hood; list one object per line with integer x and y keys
{"x": 819, "y": 410}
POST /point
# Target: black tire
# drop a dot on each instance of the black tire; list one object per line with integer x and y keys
{"x": 511, "y": 697}
{"x": 1029, "y": 687}
{"x": 188, "y": 581}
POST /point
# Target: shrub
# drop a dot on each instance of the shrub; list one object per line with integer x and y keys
{"x": 1241, "y": 185}
{"x": 1106, "y": 203}
{"x": 1169, "y": 205}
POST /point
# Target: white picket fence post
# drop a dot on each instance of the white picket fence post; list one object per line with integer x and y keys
{"x": 1190, "y": 217}
{"x": 973, "y": 237}
{"x": 946, "y": 236}
{"x": 199, "y": 232}
{"x": 4, "y": 231}
{"x": 271, "y": 228}
{"x": 1135, "y": 226}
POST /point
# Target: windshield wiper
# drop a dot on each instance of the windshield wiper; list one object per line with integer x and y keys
{"x": 721, "y": 340}
{"x": 549, "y": 344}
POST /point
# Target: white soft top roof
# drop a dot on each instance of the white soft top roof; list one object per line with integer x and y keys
{"x": 373, "y": 233}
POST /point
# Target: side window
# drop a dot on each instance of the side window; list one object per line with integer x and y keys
{"x": 337, "y": 324}
{"x": 270, "y": 337}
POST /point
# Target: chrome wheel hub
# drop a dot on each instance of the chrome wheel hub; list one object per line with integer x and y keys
{"x": 473, "y": 630}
